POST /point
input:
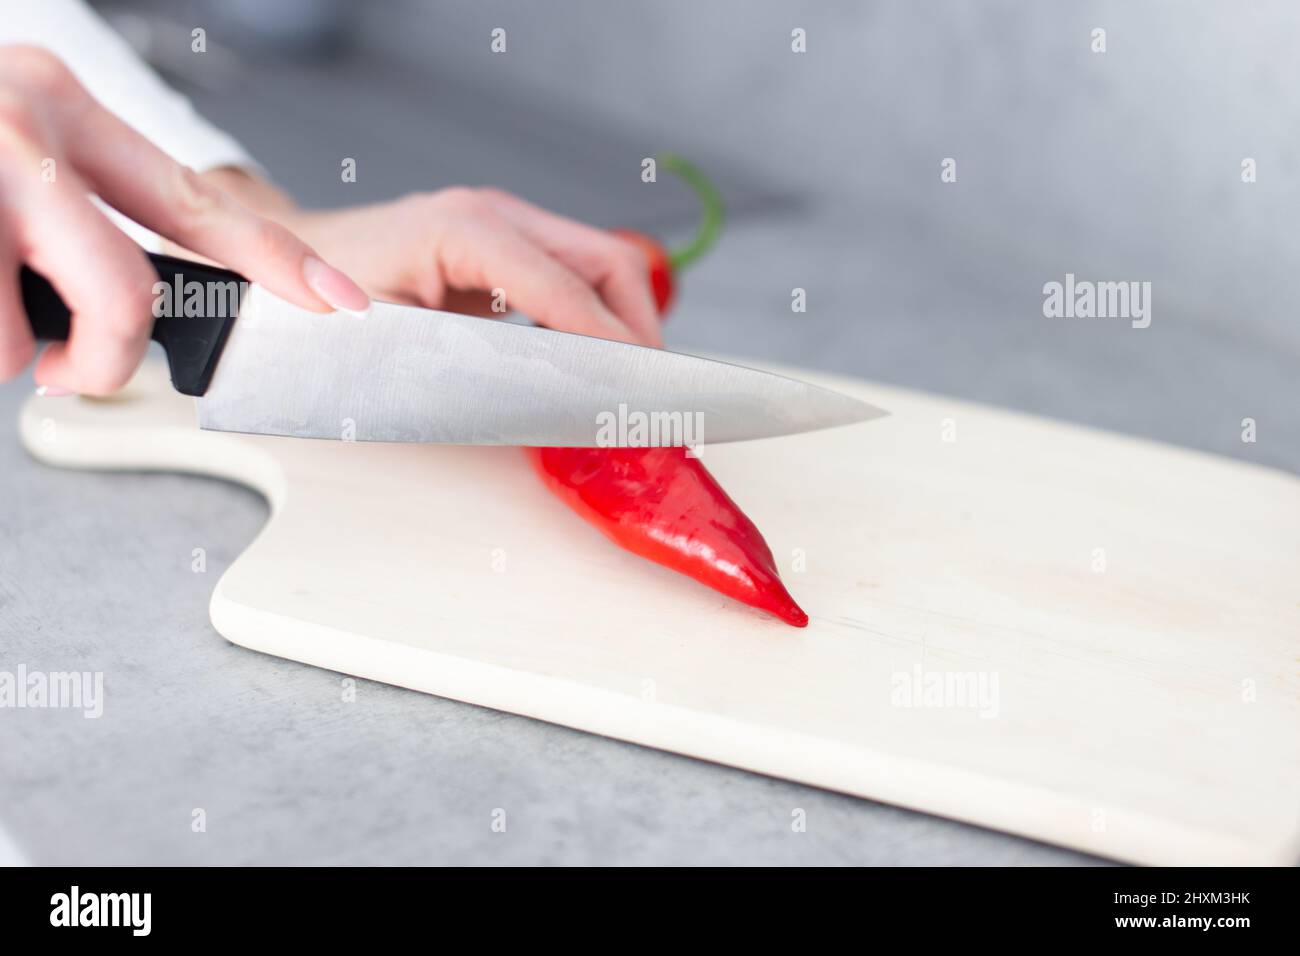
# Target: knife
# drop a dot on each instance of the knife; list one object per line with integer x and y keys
{"x": 260, "y": 365}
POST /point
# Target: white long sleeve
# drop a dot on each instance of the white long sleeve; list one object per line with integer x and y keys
{"x": 108, "y": 67}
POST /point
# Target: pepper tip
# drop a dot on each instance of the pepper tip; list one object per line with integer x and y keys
{"x": 795, "y": 616}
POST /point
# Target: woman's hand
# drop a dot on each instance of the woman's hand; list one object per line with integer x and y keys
{"x": 466, "y": 250}
{"x": 57, "y": 147}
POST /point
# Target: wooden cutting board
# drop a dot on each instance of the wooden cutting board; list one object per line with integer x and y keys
{"x": 1057, "y": 632}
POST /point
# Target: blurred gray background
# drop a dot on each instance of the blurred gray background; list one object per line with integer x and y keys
{"x": 1123, "y": 165}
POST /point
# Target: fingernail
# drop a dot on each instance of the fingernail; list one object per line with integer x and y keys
{"x": 53, "y": 391}
{"x": 334, "y": 287}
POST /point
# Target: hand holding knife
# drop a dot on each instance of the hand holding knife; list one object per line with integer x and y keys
{"x": 259, "y": 364}
{"x": 276, "y": 361}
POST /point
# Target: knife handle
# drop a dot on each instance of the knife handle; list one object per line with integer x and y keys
{"x": 193, "y": 342}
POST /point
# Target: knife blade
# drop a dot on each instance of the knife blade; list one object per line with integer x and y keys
{"x": 260, "y": 365}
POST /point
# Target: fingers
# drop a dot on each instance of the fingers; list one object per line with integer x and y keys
{"x": 134, "y": 176}
{"x": 101, "y": 275}
{"x": 50, "y": 224}
{"x": 485, "y": 253}
{"x": 614, "y": 268}
{"x": 56, "y": 145}
{"x": 16, "y": 344}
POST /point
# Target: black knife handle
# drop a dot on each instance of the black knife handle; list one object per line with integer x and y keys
{"x": 193, "y": 342}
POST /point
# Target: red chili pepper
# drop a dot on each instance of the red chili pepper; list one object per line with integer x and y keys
{"x": 659, "y": 502}
{"x": 665, "y": 265}
{"x": 665, "y": 506}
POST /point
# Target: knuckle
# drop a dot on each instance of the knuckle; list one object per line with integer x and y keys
{"x": 422, "y": 199}
{"x": 464, "y": 200}
{"x": 571, "y": 292}
{"x": 422, "y": 208}
{"x": 18, "y": 119}
{"x": 198, "y": 210}
{"x": 462, "y": 262}
{"x": 440, "y": 198}
{"x": 494, "y": 197}
{"x": 270, "y": 241}
{"x": 39, "y": 70}
{"x": 626, "y": 263}
{"x": 193, "y": 198}
{"x": 633, "y": 260}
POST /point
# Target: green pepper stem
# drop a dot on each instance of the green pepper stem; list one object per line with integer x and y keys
{"x": 710, "y": 201}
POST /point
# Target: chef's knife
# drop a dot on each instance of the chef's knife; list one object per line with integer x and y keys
{"x": 258, "y": 364}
